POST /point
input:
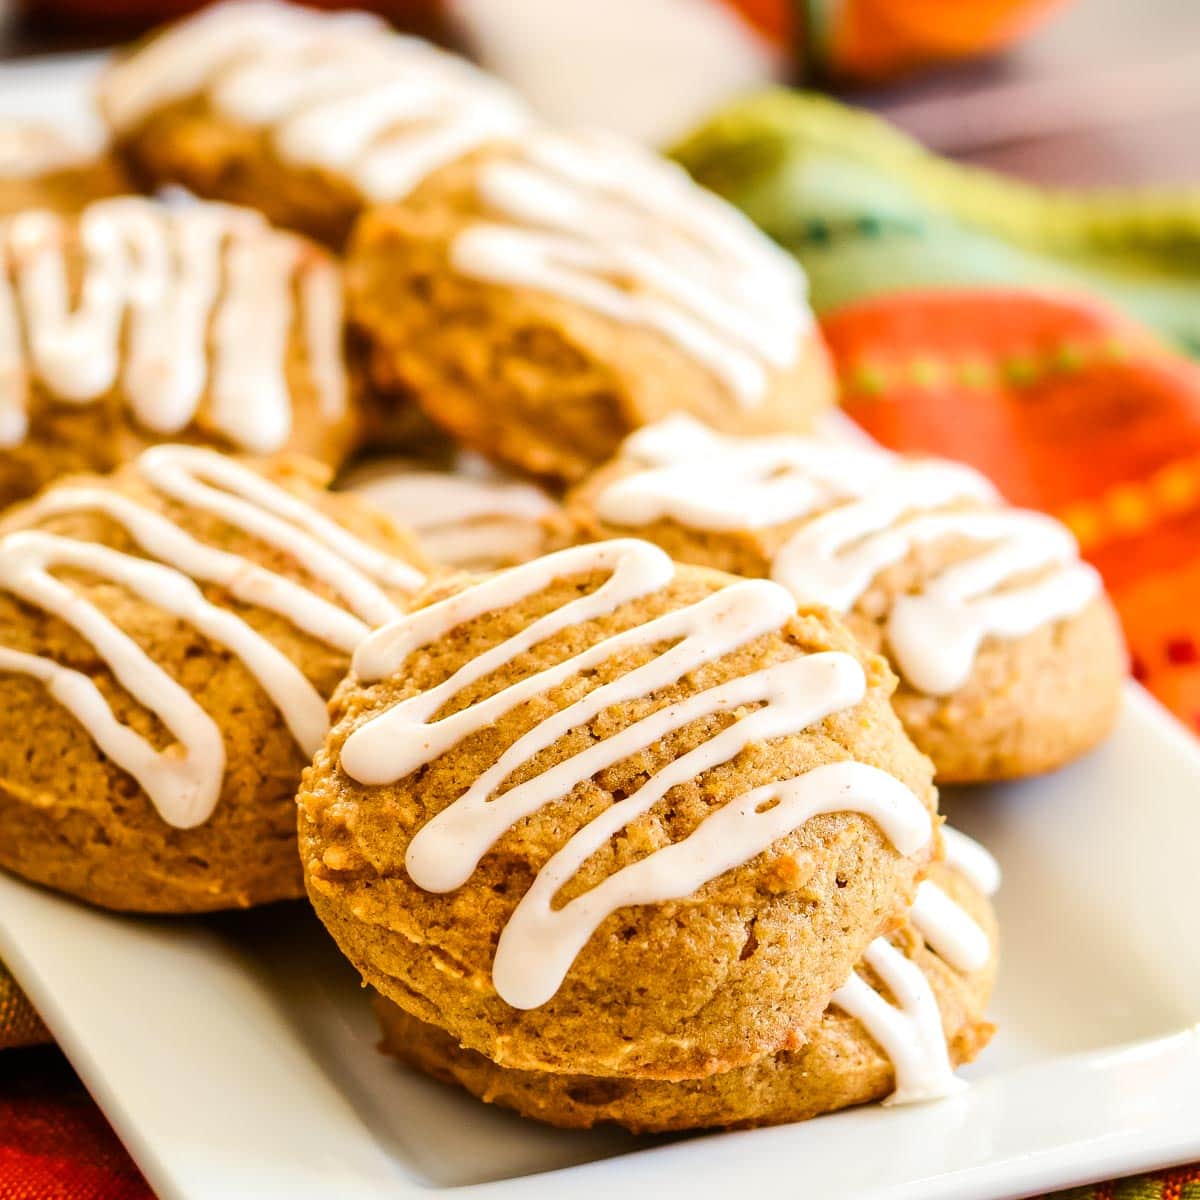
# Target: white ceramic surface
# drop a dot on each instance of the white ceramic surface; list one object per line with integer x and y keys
{"x": 235, "y": 1056}
{"x": 55, "y": 89}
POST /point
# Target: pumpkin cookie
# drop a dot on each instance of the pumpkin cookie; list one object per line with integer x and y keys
{"x": 139, "y": 321}
{"x": 168, "y": 637}
{"x": 1009, "y": 655}
{"x": 599, "y": 814}
{"x": 470, "y": 515}
{"x": 839, "y": 1065}
{"x": 307, "y": 116}
{"x": 40, "y": 167}
{"x": 543, "y": 298}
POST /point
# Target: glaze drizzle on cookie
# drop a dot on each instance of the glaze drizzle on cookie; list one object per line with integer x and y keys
{"x": 540, "y": 942}
{"x": 184, "y": 780}
{"x": 178, "y": 306}
{"x": 909, "y": 1031}
{"x": 337, "y": 92}
{"x": 866, "y": 510}
{"x": 946, "y": 927}
{"x": 909, "y": 1028}
{"x": 610, "y": 227}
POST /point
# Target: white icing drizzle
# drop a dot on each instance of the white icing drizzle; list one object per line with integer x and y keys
{"x": 950, "y": 930}
{"x": 477, "y": 522}
{"x": 620, "y": 231}
{"x": 910, "y": 1031}
{"x": 204, "y": 297}
{"x": 337, "y": 92}
{"x": 868, "y": 510}
{"x": 971, "y": 859}
{"x": 184, "y": 780}
{"x": 539, "y": 943}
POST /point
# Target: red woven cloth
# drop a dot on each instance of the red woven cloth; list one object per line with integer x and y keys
{"x": 1067, "y": 407}
{"x": 54, "y": 1144}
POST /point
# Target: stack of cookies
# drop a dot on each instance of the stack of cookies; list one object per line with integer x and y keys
{"x": 609, "y": 695}
{"x": 620, "y": 839}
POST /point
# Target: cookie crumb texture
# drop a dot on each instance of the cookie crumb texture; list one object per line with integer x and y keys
{"x": 736, "y": 969}
{"x": 73, "y": 820}
{"x": 192, "y": 144}
{"x": 530, "y": 375}
{"x": 838, "y": 1066}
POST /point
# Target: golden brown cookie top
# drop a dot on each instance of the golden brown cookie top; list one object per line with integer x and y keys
{"x": 602, "y": 223}
{"x": 193, "y": 312}
{"x": 266, "y": 582}
{"x": 337, "y": 92}
{"x": 599, "y": 783}
{"x": 924, "y": 547}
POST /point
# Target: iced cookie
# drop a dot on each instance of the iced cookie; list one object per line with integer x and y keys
{"x": 307, "y": 116}
{"x": 1009, "y": 655}
{"x": 469, "y": 515}
{"x": 905, "y": 1054}
{"x": 168, "y": 637}
{"x": 41, "y": 167}
{"x": 601, "y": 814}
{"x": 543, "y": 298}
{"x": 139, "y": 321}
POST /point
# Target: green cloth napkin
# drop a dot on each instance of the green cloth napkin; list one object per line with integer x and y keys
{"x": 867, "y": 210}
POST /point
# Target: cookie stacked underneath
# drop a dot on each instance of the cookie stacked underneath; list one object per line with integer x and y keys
{"x": 617, "y": 839}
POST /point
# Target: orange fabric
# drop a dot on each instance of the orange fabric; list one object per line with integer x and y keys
{"x": 871, "y": 39}
{"x": 1070, "y": 408}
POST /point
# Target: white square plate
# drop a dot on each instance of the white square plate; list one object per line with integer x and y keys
{"x": 235, "y": 1055}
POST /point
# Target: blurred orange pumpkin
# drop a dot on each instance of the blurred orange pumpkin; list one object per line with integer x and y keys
{"x": 877, "y": 39}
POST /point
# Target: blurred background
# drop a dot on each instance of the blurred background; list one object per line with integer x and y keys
{"x": 1068, "y": 92}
